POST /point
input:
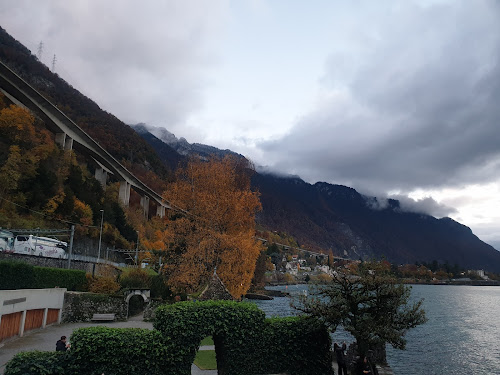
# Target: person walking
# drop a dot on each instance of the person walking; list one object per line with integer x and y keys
{"x": 61, "y": 345}
{"x": 339, "y": 353}
{"x": 367, "y": 367}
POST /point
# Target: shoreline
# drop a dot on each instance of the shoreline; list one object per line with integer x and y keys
{"x": 416, "y": 282}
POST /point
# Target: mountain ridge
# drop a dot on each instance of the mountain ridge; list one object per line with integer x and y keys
{"x": 339, "y": 219}
{"x": 334, "y": 218}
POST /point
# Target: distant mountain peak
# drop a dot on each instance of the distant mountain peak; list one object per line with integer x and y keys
{"x": 181, "y": 145}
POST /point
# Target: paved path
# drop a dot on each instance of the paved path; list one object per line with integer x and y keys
{"x": 45, "y": 340}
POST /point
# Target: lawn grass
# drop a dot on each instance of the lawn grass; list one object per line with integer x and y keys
{"x": 207, "y": 341}
{"x": 205, "y": 360}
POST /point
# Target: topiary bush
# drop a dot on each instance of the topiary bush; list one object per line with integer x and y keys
{"x": 246, "y": 342}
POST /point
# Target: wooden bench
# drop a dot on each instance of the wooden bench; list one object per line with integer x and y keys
{"x": 108, "y": 317}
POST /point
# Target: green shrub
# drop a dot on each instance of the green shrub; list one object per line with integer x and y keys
{"x": 19, "y": 275}
{"x": 136, "y": 279}
{"x": 16, "y": 275}
{"x": 38, "y": 363}
{"x": 305, "y": 343}
{"x": 113, "y": 351}
{"x": 159, "y": 288}
{"x": 51, "y": 277}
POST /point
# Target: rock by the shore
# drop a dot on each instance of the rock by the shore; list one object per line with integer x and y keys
{"x": 258, "y": 296}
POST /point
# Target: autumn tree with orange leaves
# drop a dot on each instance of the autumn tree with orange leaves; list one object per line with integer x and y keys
{"x": 213, "y": 226}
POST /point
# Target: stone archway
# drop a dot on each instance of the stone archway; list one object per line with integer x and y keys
{"x": 144, "y": 293}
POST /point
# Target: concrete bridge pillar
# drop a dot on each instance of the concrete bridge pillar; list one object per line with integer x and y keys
{"x": 145, "y": 205}
{"x": 101, "y": 175}
{"x": 65, "y": 142}
{"x": 61, "y": 139}
{"x": 68, "y": 145}
{"x": 124, "y": 194}
{"x": 160, "y": 211}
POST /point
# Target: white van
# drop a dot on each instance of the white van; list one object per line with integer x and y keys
{"x": 6, "y": 241}
{"x": 41, "y": 246}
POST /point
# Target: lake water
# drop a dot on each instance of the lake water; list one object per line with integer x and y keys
{"x": 461, "y": 337}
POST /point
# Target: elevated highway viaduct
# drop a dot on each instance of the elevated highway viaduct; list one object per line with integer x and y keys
{"x": 69, "y": 135}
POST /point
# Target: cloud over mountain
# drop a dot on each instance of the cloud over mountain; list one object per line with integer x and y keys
{"x": 410, "y": 103}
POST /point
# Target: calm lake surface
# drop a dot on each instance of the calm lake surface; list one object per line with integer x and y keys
{"x": 462, "y": 335}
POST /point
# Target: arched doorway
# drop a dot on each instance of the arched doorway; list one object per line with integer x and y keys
{"x": 136, "y": 300}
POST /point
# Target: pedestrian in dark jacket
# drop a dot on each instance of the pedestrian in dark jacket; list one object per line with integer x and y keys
{"x": 367, "y": 367}
{"x": 61, "y": 345}
{"x": 339, "y": 353}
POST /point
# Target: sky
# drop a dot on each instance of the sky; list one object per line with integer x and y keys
{"x": 396, "y": 99}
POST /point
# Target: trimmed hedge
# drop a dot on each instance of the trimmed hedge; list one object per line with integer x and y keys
{"x": 112, "y": 351}
{"x": 51, "y": 277}
{"x": 19, "y": 275}
{"x": 38, "y": 363}
{"x": 16, "y": 275}
{"x": 245, "y": 343}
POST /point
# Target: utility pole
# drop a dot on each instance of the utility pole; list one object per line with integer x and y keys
{"x": 100, "y": 236}
{"x": 70, "y": 250}
{"x": 54, "y": 64}
{"x": 40, "y": 51}
{"x": 137, "y": 250}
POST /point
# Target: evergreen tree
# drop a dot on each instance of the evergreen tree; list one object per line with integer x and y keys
{"x": 369, "y": 303}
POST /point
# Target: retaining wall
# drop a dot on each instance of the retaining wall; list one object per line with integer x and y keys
{"x": 80, "y": 306}
{"x": 56, "y": 262}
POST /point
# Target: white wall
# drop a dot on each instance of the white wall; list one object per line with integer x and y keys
{"x": 22, "y": 300}
{"x": 33, "y": 299}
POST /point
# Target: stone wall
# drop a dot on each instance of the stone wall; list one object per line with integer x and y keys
{"x": 55, "y": 262}
{"x": 149, "y": 310}
{"x": 80, "y": 307}
{"x": 47, "y": 262}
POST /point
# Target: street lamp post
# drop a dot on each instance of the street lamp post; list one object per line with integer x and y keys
{"x": 100, "y": 237}
{"x": 137, "y": 250}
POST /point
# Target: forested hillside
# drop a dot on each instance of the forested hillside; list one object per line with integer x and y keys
{"x": 42, "y": 186}
{"x": 112, "y": 134}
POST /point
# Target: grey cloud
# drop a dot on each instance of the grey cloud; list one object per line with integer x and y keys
{"x": 377, "y": 204}
{"x": 488, "y": 232}
{"x": 140, "y": 61}
{"x": 419, "y": 108}
{"x": 425, "y": 206}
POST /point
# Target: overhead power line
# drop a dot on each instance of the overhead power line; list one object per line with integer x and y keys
{"x": 49, "y": 216}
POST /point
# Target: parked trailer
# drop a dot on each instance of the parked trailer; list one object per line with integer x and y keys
{"x": 6, "y": 241}
{"x": 41, "y": 246}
